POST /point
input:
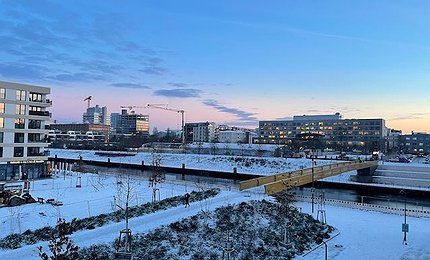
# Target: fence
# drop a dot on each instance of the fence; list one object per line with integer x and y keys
{"x": 411, "y": 211}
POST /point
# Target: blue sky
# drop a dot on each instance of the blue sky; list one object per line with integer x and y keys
{"x": 225, "y": 61}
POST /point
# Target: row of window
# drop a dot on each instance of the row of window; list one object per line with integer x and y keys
{"x": 19, "y": 151}
{"x": 19, "y": 138}
{"x": 20, "y": 123}
{"x": 20, "y": 110}
{"x": 21, "y": 95}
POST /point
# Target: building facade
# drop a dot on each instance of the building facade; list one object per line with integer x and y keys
{"x": 130, "y": 123}
{"x": 232, "y": 136}
{"x": 96, "y": 115}
{"x": 325, "y": 131}
{"x": 23, "y": 114}
{"x": 415, "y": 143}
{"x": 201, "y": 132}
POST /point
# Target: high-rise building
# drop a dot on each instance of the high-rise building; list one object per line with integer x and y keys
{"x": 96, "y": 115}
{"x": 130, "y": 123}
{"x": 23, "y": 116}
{"x": 326, "y": 131}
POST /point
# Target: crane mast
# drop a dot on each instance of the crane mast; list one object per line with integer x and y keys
{"x": 181, "y": 111}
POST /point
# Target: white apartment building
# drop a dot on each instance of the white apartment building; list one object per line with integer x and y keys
{"x": 22, "y": 130}
{"x": 232, "y": 136}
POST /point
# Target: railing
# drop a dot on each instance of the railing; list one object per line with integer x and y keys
{"x": 411, "y": 211}
{"x": 38, "y": 113}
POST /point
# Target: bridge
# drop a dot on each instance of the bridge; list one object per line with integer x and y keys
{"x": 283, "y": 181}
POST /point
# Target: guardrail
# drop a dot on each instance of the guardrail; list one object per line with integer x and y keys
{"x": 300, "y": 177}
{"x": 365, "y": 206}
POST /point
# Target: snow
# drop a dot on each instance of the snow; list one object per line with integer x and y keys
{"x": 244, "y": 164}
{"x": 96, "y": 196}
{"x": 372, "y": 235}
{"x": 363, "y": 234}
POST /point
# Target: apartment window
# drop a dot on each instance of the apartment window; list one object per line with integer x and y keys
{"x": 1, "y": 137}
{"x": 35, "y": 138}
{"x": 2, "y": 93}
{"x": 18, "y": 152}
{"x": 35, "y": 97}
{"x": 20, "y": 109}
{"x": 1, "y": 122}
{"x": 19, "y": 123}
{"x": 33, "y": 151}
{"x": 1, "y": 151}
{"x": 19, "y": 138}
{"x": 2, "y": 108}
{"x": 34, "y": 124}
{"x": 20, "y": 95}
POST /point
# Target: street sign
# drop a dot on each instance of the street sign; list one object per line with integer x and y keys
{"x": 405, "y": 227}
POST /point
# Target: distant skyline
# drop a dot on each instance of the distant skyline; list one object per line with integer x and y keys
{"x": 233, "y": 62}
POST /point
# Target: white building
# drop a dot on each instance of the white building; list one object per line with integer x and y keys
{"x": 205, "y": 132}
{"x": 96, "y": 115}
{"x": 23, "y": 116}
{"x": 232, "y": 136}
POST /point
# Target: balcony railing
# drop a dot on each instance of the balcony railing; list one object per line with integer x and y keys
{"x": 38, "y": 113}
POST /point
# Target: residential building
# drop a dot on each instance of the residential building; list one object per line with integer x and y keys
{"x": 232, "y": 136}
{"x": 130, "y": 123}
{"x": 325, "y": 131}
{"x": 393, "y": 139}
{"x": 201, "y": 132}
{"x": 415, "y": 143}
{"x": 23, "y": 116}
{"x": 96, "y": 115}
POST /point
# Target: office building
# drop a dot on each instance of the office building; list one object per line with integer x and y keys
{"x": 130, "y": 123}
{"x": 23, "y": 116}
{"x": 415, "y": 143}
{"x": 325, "y": 131}
{"x": 96, "y": 115}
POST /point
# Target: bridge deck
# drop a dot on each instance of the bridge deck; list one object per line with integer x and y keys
{"x": 279, "y": 182}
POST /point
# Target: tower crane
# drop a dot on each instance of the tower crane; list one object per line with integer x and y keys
{"x": 164, "y": 107}
{"x": 89, "y": 100}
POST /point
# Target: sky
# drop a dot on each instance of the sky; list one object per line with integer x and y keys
{"x": 233, "y": 62}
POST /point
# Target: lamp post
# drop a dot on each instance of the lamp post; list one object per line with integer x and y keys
{"x": 313, "y": 186}
{"x": 405, "y": 226}
{"x": 321, "y": 240}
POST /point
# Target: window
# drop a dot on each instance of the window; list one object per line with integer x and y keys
{"x": 1, "y": 151}
{"x": 35, "y": 97}
{"x": 19, "y": 123}
{"x": 35, "y": 138}
{"x": 2, "y": 108}
{"x": 18, "y": 152}
{"x": 34, "y": 124}
{"x": 19, "y": 138}
{"x": 1, "y": 137}
{"x": 2, "y": 93}
{"x": 20, "y": 109}
{"x": 20, "y": 95}
{"x": 1, "y": 122}
{"x": 33, "y": 151}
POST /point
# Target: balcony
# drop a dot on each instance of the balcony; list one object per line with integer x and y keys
{"x": 39, "y": 113}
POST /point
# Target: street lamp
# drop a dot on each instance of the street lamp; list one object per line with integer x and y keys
{"x": 405, "y": 226}
{"x": 320, "y": 240}
{"x": 313, "y": 185}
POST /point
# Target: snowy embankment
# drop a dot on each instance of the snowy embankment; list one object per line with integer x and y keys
{"x": 244, "y": 164}
{"x": 98, "y": 194}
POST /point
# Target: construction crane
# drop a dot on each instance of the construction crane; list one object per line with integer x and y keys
{"x": 131, "y": 107}
{"x": 164, "y": 107}
{"x": 89, "y": 100}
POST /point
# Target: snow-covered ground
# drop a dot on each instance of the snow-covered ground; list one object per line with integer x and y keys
{"x": 96, "y": 196}
{"x": 363, "y": 234}
{"x": 244, "y": 164}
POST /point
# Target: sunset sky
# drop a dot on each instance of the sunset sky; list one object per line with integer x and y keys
{"x": 232, "y": 62}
